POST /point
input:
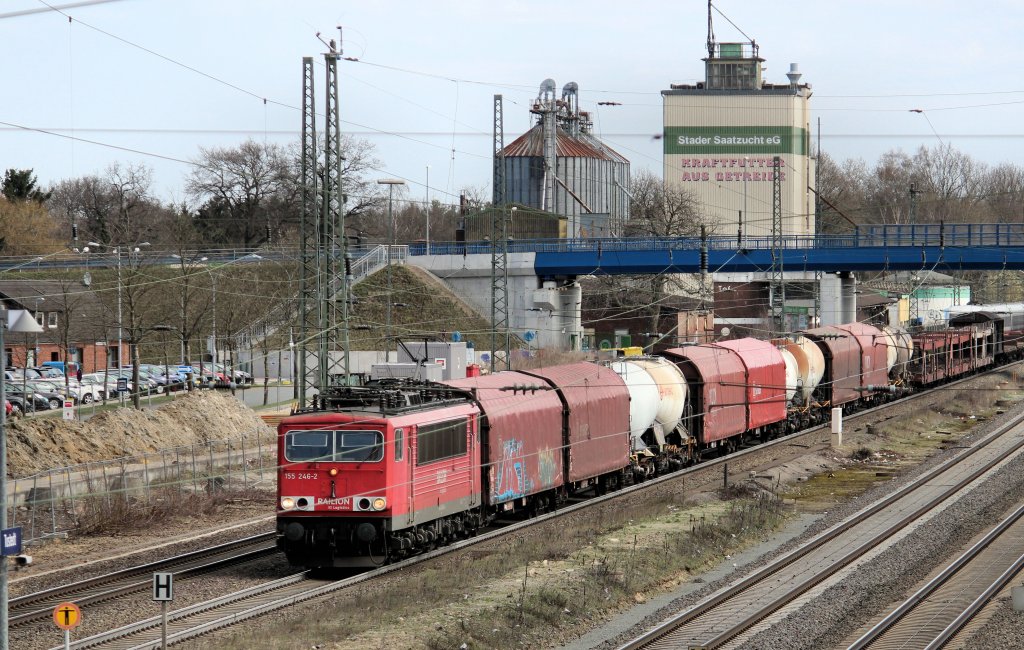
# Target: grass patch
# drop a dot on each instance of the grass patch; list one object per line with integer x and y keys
{"x": 117, "y": 512}
{"x": 615, "y": 572}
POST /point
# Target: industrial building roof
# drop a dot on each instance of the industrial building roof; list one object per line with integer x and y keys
{"x": 531, "y": 143}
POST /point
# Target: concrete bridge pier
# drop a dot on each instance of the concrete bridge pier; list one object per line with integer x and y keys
{"x": 838, "y": 298}
{"x": 549, "y": 307}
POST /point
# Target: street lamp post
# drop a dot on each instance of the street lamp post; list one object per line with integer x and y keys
{"x": 390, "y": 182}
{"x": 120, "y": 322}
{"x": 16, "y": 320}
{"x": 133, "y": 252}
{"x": 428, "y": 208}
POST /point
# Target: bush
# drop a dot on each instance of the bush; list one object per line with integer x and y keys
{"x": 862, "y": 454}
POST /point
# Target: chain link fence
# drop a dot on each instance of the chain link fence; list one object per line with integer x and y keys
{"x": 139, "y": 487}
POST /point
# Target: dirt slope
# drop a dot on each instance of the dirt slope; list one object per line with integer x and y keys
{"x": 36, "y": 444}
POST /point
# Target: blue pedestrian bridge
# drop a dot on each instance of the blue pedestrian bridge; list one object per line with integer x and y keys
{"x": 931, "y": 247}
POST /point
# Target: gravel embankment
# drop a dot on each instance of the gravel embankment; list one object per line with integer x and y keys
{"x": 829, "y": 619}
{"x": 54, "y": 573}
{"x": 187, "y": 591}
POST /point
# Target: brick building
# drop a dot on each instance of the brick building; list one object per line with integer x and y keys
{"x": 77, "y": 326}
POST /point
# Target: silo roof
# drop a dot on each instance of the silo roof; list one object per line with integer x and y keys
{"x": 531, "y": 143}
{"x": 610, "y": 153}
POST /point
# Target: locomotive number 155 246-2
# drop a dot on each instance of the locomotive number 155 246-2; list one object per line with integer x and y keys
{"x": 302, "y": 476}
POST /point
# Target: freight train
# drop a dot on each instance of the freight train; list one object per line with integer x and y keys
{"x": 373, "y": 474}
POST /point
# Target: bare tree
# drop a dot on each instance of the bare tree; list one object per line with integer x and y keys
{"x": 246, "y": 191}
{"x": 1002, "y": 191}
{"x": 115, "y": 208}
{"x": 657, "y": 211}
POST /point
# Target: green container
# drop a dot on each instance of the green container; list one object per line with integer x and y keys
{"x": 730, "y": 50}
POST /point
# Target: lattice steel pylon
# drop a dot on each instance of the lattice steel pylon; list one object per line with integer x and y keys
{"x": 777, "y": 283}
{"x": 310, "y": 279}
{"x": 499, "y": 246}
{"x": 333, "y": 245}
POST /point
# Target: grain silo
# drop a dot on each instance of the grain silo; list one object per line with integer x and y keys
{"x": 560, "y": 167}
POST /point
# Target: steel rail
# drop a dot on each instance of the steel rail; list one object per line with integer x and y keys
{"x": 881, "y": 629}
{"x": 979, "y": 603}
{"x": 651, "y": 637}
{"x": 40, "y": 604}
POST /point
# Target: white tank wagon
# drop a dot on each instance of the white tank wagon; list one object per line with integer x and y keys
{"x": 644, "y": 400}
{"x": 810, "y": 367}
{"x": 658, "y": 414}
{"x": 792, "y": 373}
{"x": 901, "y": 349}
{"x": 672, "y": 394}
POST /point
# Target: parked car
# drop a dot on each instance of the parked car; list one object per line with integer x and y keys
{"x": 36, "y": 402}
{"x": 228, "y": 374}
{"x": 49, "y": 372}
{"x": 146, "y": 383}
{"x": 27, "y": 373}
{"x": 55, "y": 397}
{"x": 206, "y": 373}
{"x": 165, "y": 376}
{"x": 17, "y": 405}
{"x": 105, "y": 386}
{"x": 82, "y": 392}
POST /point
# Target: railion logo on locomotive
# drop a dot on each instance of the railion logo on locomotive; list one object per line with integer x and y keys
{"x": 339, "y": 501}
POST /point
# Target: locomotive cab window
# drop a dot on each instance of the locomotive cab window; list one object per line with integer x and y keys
{"x": 359, "y": 446}
{"x": 308, "y": 445}
{"x": 399, "y": 444}
{"x": 441, "y": 440}
{"x": 334, "y": 446}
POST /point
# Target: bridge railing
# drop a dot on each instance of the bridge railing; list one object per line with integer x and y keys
{"x": 903, "y": 235}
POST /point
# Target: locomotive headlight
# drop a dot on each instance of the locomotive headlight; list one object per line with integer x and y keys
{"x": 334, "y": 471}
{"x": 380, "y": 503}
{"x": 287, "y": 503}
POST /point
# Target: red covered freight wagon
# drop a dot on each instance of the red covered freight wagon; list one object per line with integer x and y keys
{"x": 841, "y": 382}
{"x": 765, "y": 381}
{"x": 596, "y": 404}
{"x": 521, "y": 431}
{"x": 718, "y": 395}
{"x": 874, "y": 347}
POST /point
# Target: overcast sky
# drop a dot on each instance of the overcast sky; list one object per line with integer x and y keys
{"x": 166, "y": 77}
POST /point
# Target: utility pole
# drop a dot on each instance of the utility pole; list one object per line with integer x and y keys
{"x": 334, "y": 299}
{"x": 310, "y": 275}
{"x": 778, "y": 281}
{"x": 390, "y": 182}
{"x": 499, "y": 243}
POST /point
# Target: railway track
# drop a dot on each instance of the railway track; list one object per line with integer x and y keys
{"x": 731, "y": 611}
{"x": 208, "y": 616}
{"x": 39, "y": 605}
{"x": 942, "y": 607}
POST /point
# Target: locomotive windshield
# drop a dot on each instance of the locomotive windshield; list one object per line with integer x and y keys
{"x": 334, "y": 446}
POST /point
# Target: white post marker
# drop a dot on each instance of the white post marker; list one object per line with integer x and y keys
{"x": 163, "y": 592}
{"x": 69, "y": 409}
{"x": 837, "y": 427}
